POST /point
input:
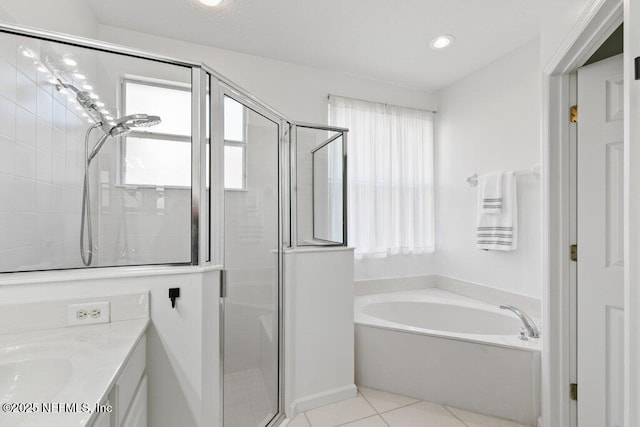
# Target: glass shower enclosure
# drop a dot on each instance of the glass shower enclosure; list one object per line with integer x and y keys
{"x": 114, "y": 157}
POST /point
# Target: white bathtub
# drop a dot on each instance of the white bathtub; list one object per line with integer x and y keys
{"x": 439, "y": 346}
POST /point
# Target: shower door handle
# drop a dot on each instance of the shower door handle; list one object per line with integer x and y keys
{"x": 223, "y": 283}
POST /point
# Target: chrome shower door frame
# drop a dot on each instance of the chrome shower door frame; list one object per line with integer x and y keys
{"x": 239, "y": 95}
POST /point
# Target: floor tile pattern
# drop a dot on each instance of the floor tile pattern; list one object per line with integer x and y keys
{"x": 376, "y": 408}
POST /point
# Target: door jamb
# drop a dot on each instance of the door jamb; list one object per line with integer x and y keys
{"x": 596, "y": 23}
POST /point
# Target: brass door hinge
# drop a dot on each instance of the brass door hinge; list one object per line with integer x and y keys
{"x": 573, "y": 391}
{"x": 573, "y": 252}
{"x": 573, "y": 114}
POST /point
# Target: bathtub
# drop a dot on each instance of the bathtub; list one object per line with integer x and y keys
{"x": 435, "y": 345}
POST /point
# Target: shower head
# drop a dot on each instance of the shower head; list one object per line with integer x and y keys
{"x": 122, "y": 126}
{"x": 138, "y": 121}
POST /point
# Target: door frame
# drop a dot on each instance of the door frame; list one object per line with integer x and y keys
{"x": 599, "y": 19}
{"x": 283, "y": 132}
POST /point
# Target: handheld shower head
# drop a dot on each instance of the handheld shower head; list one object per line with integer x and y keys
{"x": 122, "y": 126}
{"x": 139, "y": 120}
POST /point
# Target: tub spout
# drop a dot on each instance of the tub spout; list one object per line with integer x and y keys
{"x": 532, "y": 330}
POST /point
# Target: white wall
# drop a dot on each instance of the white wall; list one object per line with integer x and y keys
{"x": 319, "y": 342}
{"x": 557, "y": 20}
{"x": 300, "y": 93}
{"x": 66, "y": 16}
{"x": 297, "y": 91}
{"x": 490, "y": 121}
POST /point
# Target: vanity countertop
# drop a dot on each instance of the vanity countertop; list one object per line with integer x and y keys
{"x": 65, "y": 371}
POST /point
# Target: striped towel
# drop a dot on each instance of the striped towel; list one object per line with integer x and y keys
{"x": 490, "y": 187}
{"x": 499, "y": 231}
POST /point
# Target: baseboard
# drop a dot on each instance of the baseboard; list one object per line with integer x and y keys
{"x": 325, "y": 398}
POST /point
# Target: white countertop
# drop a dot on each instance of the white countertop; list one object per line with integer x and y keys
{"x": 91, "y": 357}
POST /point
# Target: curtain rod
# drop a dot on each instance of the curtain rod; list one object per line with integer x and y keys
{"x": 382, "y": 103}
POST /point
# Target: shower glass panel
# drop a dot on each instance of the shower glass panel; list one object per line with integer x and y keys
{"x": 124, "y": 123}
{"x": 251, "y": 259}
{"x": 327, "y": 189}
{"x": 320, "y": 173}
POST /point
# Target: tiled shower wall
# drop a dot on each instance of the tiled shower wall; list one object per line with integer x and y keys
{"x": 41, "y": 168}
{"x": 42, "y": 135}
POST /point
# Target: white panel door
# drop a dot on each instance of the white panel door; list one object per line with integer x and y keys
{"x": 600, "y": 244}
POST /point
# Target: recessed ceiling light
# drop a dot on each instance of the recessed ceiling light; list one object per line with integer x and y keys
{"x": 211, "y": 2}
{"x": 70, "y": 62}
{"x": 79, "y": 76}
{"x": 441, "y": 42}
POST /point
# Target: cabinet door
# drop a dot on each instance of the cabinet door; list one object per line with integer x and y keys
{"x": 137, "y": 414}
{"x": 104, "y": 420}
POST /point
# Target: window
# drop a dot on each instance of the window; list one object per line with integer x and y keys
{"x": 235, "y": 138}
{"x": 390, "y": 177}
{"x": 160, "y": 155}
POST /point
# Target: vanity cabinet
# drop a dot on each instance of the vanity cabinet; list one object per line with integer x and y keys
{"x": 129, "y": 394}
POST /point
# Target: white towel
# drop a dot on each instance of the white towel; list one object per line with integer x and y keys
{"x": 500, "y": 231}
{"x": 490, "y": 187}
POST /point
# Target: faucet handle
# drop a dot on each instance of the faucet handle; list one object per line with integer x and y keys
{"x": 523, "y": 334}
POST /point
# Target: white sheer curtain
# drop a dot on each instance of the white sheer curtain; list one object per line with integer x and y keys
{"x": 390, "y": 177}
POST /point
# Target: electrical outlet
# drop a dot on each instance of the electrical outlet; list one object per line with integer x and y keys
{"x": 88, "y": 313}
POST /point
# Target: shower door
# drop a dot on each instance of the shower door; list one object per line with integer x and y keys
{"x": 252, "y": 262}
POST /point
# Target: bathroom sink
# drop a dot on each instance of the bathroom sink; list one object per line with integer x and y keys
{"x": 31, "y": 380}
{"x": 40, "y": 371}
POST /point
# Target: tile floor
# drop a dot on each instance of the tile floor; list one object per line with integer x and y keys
{"x": 246, "y": 399}
{"x": 375, "y": 408}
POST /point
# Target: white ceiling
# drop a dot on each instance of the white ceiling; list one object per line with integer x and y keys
{"x": 385, "y": 40}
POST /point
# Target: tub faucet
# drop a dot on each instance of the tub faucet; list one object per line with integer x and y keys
{"x": 531, "y": 330}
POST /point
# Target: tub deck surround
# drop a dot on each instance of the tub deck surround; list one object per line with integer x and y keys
{"x": 444, "y": 314}
{"x": 442, "y": 347}
{"x": 66, "y": 364}
{"x": 477, "y": 291}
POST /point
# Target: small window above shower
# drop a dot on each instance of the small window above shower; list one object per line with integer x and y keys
{"x": 159, "y": 156}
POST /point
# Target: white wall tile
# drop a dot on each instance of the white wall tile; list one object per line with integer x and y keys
{"x": 25, "y": 161}
{"x": 27, "y": 65}
{"x": 25, "y": 127}
{"x": 58, "y": 143}
{"x": 7, "y": 232}
{"x": 7, "y": 159}
{"x": 7, "y": 80}
{"x": 7, "y": 117}
{"x": 43, "y": 227}
{"x": 26, "y": 229}
{"x": 44, "y": 136}
{"x": 59, "y": 172}
{"x": 43, "y": 167}
{"x": 25, "y": 195}
{"x": 44, "y": 105}
{"x": 45, "y": 82}
{"x": 6, "y": 192}
{"x": 44, "y": 197}
{"x": 59, "y": 115}
{"x": 26, "y": 93}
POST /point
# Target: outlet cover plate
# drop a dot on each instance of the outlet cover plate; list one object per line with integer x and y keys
{"x": 88, "y": 313}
